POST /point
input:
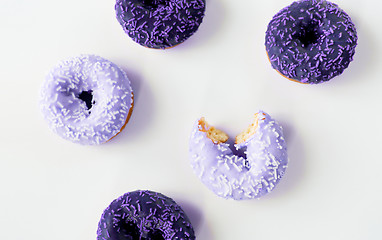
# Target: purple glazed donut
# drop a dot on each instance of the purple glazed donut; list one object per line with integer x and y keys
{"x": 311, "y": 41}
{"x": 160, "y": 23}
{"x": 144, "y": 215}
{"x": 230, "y": 175}
{"x": 87, "y": 99}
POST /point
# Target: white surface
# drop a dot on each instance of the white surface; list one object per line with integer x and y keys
{"x": 54, "y": 189}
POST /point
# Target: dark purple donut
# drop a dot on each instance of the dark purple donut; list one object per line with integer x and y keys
{"x": 160, "y": 23}
{"x": 311, "y": 41}
{"x": 144, "y": 215}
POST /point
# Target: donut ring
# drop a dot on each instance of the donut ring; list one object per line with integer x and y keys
{"x": 311, "y": 41}
{"x": 87, "y": 100}
{"x": 144, "y": 215}
{"x": 231, "y": 175}
{"x": 160, "y": 24}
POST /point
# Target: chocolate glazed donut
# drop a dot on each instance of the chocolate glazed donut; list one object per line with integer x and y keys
{"x": 144, "y": 215}
{"x": 311, "y": 41}
{"x": 160, "y": 23}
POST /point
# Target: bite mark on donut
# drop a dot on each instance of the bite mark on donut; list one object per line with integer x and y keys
{"x": 217, "y": 136}
{"x": 250, "y": 131}
{"x": 228, "y": 173}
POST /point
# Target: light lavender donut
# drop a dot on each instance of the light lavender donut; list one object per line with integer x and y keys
{"x": 87, "y": 99}
{"x": 230, "y": 175}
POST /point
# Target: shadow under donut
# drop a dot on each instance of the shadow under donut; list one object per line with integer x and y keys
{"x": 364, "y": 60}
{"x": 366, "y": 54}
{"x": 296, "y": 165}
{"x": 197, "y": 219}
{"x": 212, "y": 22}
{"x": 143, "y": 108}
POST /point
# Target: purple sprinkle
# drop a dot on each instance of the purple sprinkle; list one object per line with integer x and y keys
{"x": 161, "y": 23}
{"x": 317, "y": 29}
{"x": 157, "y": 217}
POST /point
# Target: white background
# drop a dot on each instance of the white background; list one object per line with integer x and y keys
{"x": 53, "y": 189}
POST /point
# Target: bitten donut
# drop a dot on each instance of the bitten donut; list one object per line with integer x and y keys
{"x": 311, "y": 41}
{"x": 87, "y": 99}
{"x": 230, "y": 175}
{"x": 144, "y": 215}
{"x": 160, "y": 23}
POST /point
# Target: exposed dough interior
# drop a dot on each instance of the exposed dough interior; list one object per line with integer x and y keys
{"x": 247, "y": 133}
{"x": 218, "y": 136}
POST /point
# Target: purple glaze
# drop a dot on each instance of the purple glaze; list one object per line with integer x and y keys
{"x": 144, "y": 215}
{"x": 160, "y": 23}
{"x": 311, "y": 41}
{"x": 86, "y": 99}
{"x": 231, "y": 176}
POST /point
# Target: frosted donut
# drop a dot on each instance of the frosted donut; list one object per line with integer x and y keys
{"x": 87, "y": 99}
{"x": 160, "y": 23}
{"x": 230, "y": 175}
{"x": 144, "y": 215}
{"x": 311, "y": 41}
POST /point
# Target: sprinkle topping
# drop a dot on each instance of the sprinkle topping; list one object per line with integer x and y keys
{"x": 86, "y": 99}
{"x": 311, "y": 41}
{"x": 231, "y": 175}
{"x": 160, "y": 23}
{"x": 144, "y": 215}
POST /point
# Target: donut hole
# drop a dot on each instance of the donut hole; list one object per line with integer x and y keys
{"x": 126, "y": 230}
{"x": 155, "y": 234}
{"x": 87, "y": 97}
{"x": 309, "y": 33}
{"x": 153, "y": 4}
